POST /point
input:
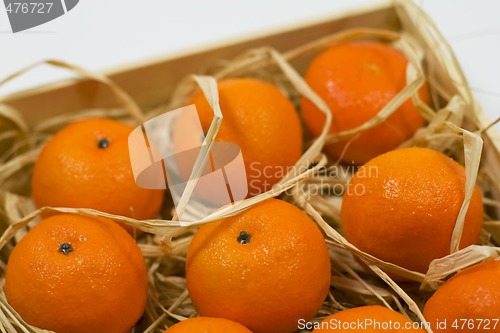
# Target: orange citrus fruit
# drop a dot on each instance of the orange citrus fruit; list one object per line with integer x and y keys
{"x": 76, "y": 274}
{"x": 357, "y": 80}
{"x": 468, "y": 302}
{"x": 402, "y": 206}
{"x": 207, "y": 325}
{"x": 87, "y": 165}
{"x": 260, "y": 119}
{"x": 265, "y": 268}
{"x": 369, "y": 319}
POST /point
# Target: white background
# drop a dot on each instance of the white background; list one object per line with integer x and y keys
{"x": 99, "y": 34}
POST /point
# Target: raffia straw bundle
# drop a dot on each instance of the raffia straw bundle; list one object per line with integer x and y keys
{"x": 453, "y": 128}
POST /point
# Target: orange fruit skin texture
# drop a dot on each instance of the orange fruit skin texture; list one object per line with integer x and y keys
{"x": 207, "y": 325}
{"x": 401, "y": 207}
{"x": 280, "y": 276}
{"x": 473, "y": 294}
{"x": 263, "y": 122}
{"x": 357, "y": 80}
{"x": 72, "y": 171}
{"x": 101, "y": 286}
{"x": 375, "y": 313}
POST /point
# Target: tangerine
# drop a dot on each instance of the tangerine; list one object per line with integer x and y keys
{"x": 468, "y": 302}
{"x": 369, "y": 319}
{"x": 265, "y": 268}
{"x": 77, "y": 274}
{"x": 402, "y": 206}
{"x": 87, "y": 165}
{"x": 207, "y": 325}
{"x": 263, "y": 122}
{"x": 357, "y": 80}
